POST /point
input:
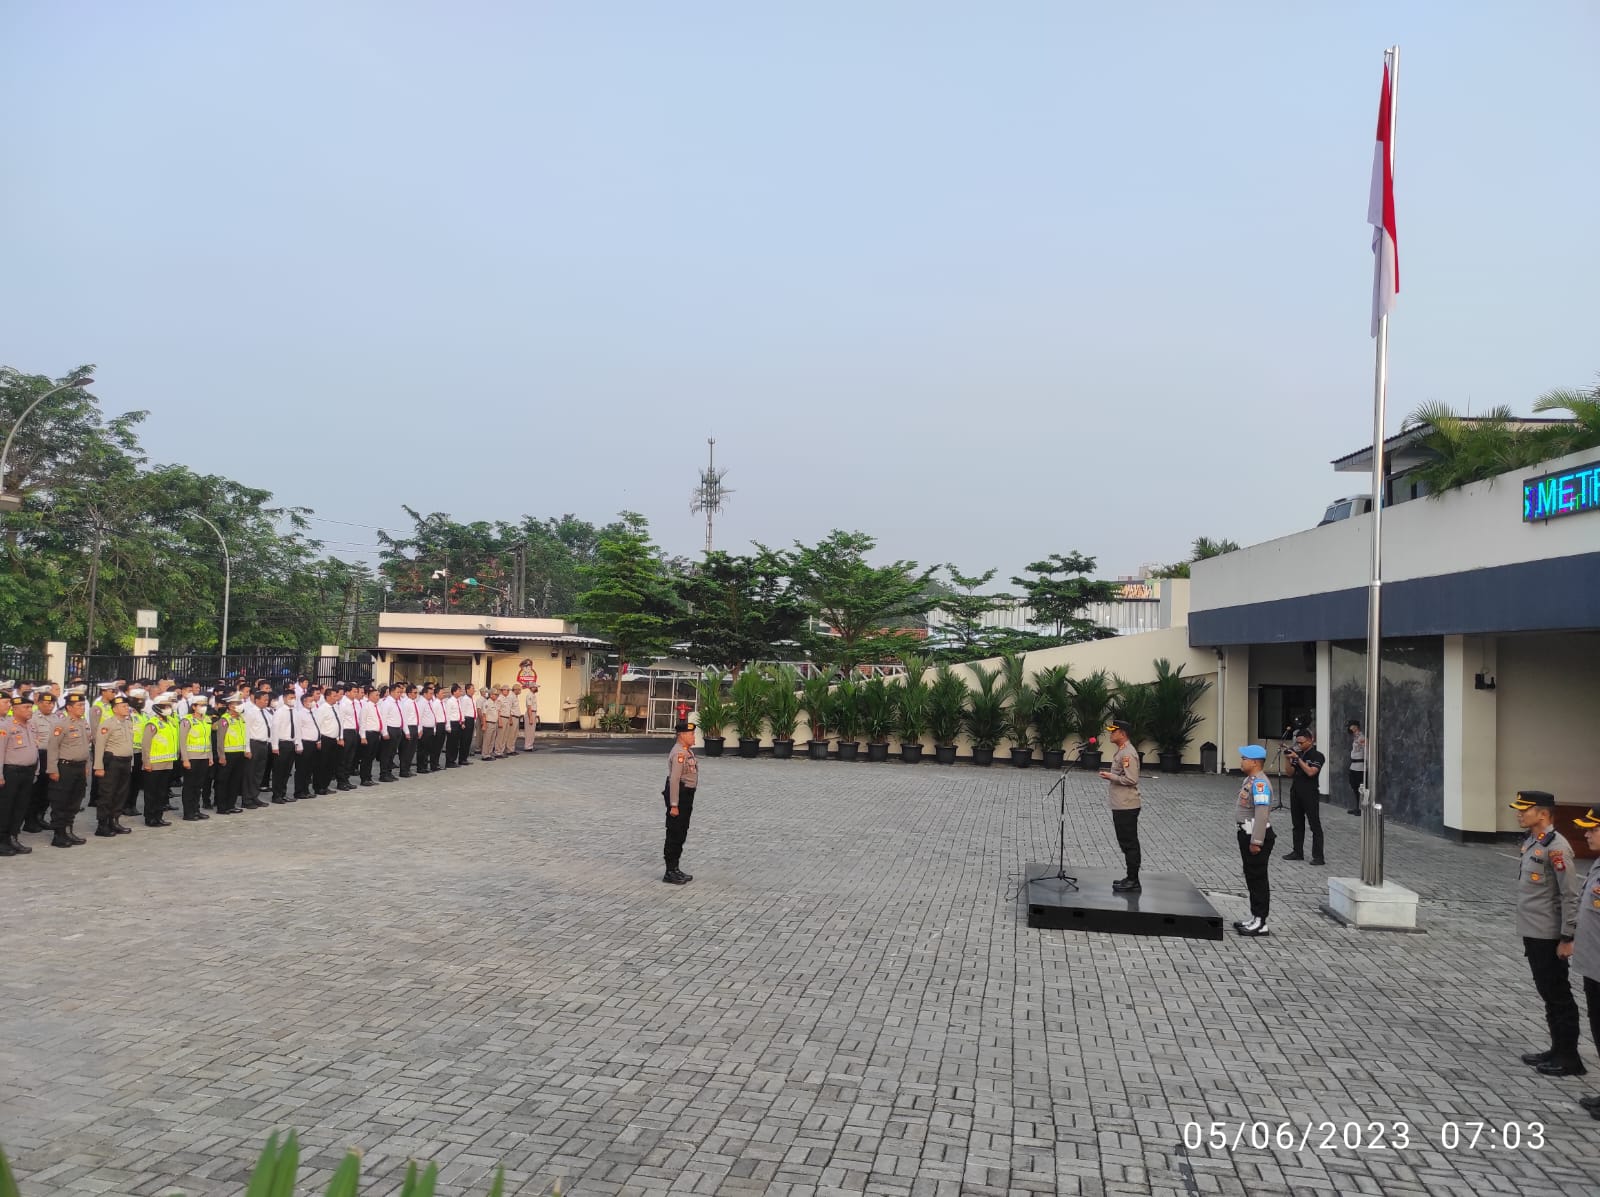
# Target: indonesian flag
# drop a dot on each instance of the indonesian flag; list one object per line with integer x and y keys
{"x": 1380, "y": 213}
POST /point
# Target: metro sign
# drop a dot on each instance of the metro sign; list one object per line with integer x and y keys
{"x": 1567, "y": 492}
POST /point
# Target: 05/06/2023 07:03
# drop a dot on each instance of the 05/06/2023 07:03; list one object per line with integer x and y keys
{"x": 1361, "y": 1136}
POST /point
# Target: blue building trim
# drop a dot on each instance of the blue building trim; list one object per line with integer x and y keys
{"x": 1557, "y": 594}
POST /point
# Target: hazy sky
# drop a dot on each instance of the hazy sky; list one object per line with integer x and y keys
{"x": 985, "y": 280}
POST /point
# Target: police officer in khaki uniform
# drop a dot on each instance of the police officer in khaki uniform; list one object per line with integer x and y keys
{"x": 489, "y": 720}
{"x": 19, "y": 767}
{"x": 45, "y": 718}
{"x": 1586, "y": 945}
{"x": 1125, "y": 802}
{"x": 113, "y": 765}
{"x": 1547, "y": 920}
{"x": 508, "y": 721}
{"x": 67, "y": 764}
{"x": 683, "y": 778}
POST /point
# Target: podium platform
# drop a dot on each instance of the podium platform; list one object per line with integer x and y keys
{"x": 1166, "y": 904}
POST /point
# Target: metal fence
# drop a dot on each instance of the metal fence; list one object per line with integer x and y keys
{"x": 211, "y": 667}
{"x": 22, "y": 664}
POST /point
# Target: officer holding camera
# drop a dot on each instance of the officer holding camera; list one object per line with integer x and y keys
{"x": 1304, "y": 763}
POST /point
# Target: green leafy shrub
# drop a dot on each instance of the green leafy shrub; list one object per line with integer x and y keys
{"x": 615, "y": 720}
{"x": 1052, "y": 712}
{"x": 816, "y": 700}
{"x": 986, "y": 709}
{"x": 1091, "y": 700}
{"x": 1173, "y": 721}
{"x": 783, "y": 702}
{"x": 947, "y": 705}
{"x": 712, "y": 709}
{"x": 750, "y": 705}
{"x": 877, "y": 710}
{"x": 844, "y": 711}
{"x": 1134, "y": 702}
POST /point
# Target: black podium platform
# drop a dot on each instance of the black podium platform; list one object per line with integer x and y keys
{"x": 1167, "y": 904}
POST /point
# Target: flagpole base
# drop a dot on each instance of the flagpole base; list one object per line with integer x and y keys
{"x": 1386, "y": 907}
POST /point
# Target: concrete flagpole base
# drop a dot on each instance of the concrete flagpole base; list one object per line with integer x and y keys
{"x": 1386, "y": 907}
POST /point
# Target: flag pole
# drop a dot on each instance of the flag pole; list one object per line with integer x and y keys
{"x": 1371, "y": 802}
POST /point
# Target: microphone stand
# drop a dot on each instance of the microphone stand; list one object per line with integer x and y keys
{"x": 1061, "y": 851}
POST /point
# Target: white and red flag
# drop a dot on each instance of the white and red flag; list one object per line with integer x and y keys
{"x": 1380, "y": 211}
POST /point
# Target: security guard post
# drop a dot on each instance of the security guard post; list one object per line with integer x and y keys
{"x": 67, "y": 762}
{"x": 1125, "y": 802}
{"x": 195, "y": 752}
{"x": 683, "y": 777}
{"x": 160, "y": 749}
{"x": 1252, "y": 819}
{"x": 1586, "y": 947}
{"x": 1547, "y": 920}
{"x": 113, "y": 765}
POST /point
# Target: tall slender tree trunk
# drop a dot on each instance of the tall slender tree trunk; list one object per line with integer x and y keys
{"x": 94, "y": 582}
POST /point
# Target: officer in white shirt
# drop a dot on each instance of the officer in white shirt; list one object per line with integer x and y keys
{"x": 441, "y": 727}
{"x": 452, "y": 719}
{"x": 349, "y": 733}
{"x": 393, "y": 730}
{"x": 330, "y": 745}
{"x": 408, "y": 736}
{"x": 469, "y": 725}
{"x": 258, "y": 722}
{"x": 285, "y": 745}
{"x": 369, "y": 726}
{"x": 426, "y": 727}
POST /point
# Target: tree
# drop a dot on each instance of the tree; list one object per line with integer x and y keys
{"x": 865, "y": 607}
{"x": 631, "y": 600}
{"x": 737, "y": 609}
{"x": 1059, "y": 589}
{"x": 964, "y": 633}
{"x": 1202, "y": 548}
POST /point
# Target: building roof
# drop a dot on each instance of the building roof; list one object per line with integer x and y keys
{"x": 1395, "y": 447}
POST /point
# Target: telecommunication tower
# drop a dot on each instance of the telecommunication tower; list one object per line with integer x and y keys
{"x": 708, "y": 496}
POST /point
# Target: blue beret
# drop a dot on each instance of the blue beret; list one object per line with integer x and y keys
{"x": 1253, "y": 752}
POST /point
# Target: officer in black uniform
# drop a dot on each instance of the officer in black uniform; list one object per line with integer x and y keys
{"x": 1547, "y": 920}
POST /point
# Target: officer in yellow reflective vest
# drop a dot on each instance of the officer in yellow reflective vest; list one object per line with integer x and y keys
{"x": 194, "y": 751}
{"x": 160, "y": 747}
{"x": 235, "y": 752}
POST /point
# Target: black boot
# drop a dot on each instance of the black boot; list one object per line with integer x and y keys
{"x": 103, "y": 828}
{"x": 18, "y": 847}
{"x": 1125, "y": 885}
{"x": 33, "y": 826}
{"x": 117, "y": 828}
{"x": 74, "y": 836}
{"x": 59, "y": 839}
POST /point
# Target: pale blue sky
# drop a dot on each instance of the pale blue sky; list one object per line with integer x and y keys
{"x": 988, "y": 281}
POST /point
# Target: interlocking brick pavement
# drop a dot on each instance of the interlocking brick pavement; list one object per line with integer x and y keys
{"x": 485, "y": 967}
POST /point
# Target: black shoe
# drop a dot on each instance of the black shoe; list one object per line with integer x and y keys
{"x": 7, "y": 850}
{"x": 60, "y": 840}
{"x": 684, "y": 877}
{"x": 1317, "y": 860}
{"x": 464, "y": 764}
{"x": 385, "y": 779}
{"x": 33, "y": 826}
{"x": 1354, "y": 810}
{"x": 1295, "y": 856}
{"x": 1590, "y": 1103}
{"x": 1125, "y": 885}
{"x": 674, "y": 877}
{"x": 1537, "y": 1058}
{"x": 207, "y": 803}
{"x": 102, "y": 830}
{"x": 407, "y": 773}
{"x": 201, "y": 815}
{"x": 119, "y": 829}
{"x": 74, "y": 837}
{"x": 279, "y": 801}
{"x": 1241, "y": 924}
{"x": 367, "y": 783}
{"x": 1558, "y": 1067}
{"x": 157, "y": 823}
{"x": 452, "y": 765}
{"x": 232, "y": 810}
{"x": 345, "y": 787}
{"x": 1253, "y": 931}
{"x": 254, "y": 804}
{"x": 322, "y": 793}
{"x": 300, "y": 798}
{"x": 18, "y": 848}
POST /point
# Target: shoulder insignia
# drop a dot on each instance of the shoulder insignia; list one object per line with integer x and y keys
{"x": 1535, "y": 877}
{"x": 1560, "y": 861}
{"x": 680, "y": 756}
{"x": 1538, "y": 855}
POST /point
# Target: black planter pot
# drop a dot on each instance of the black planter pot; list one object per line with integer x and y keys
{"x": 847, "y": 749}
{"x": 983, "y": 756}
{"x": 713, "y": 745}
{"x": 911, "y": 753}
{"x": 1170, "y": 762}
{"x": 749, "y": 748}
{"x": 817, "y": 750}
{"x": 877, "y": 751}
{"x": 944, "y": 754}
{"x": 1022, "y": 757}
{"x": 1090, "y": 759}
{"x": 782, "y": 750}
{"x": 1053, "y": 757}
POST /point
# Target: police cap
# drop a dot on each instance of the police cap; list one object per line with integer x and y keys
{"x": 1528, "y": 799}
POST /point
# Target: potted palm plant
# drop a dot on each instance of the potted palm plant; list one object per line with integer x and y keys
{"x": 750, "y": 711}
{"x": 713, "y": 710}
{"x": 1021, "y": 700}
{"x": 783, "y": 710}
{"x": 947, "y": 712}
{"x": 1052, "y": 714}
{"x": 1091, "y": 699}
{"x": 816, "y": 701}
{"x": 588, "y": 711}
{"x": 844, "y": 716}
{"x": 911, "y": 718}
{"x": 877, "y": 718}
{"x": 1173, "y": 721}
{"x": 986, "y": 714}
{"x": 1133, "y": 702}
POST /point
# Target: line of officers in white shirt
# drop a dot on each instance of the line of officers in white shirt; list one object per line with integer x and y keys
{"x": 225, "y": 750}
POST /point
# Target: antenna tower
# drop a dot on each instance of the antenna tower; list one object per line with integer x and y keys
{"x": 708, "y": 496}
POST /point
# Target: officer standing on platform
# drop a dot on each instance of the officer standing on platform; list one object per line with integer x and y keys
{"x": 67, "y": 762}
{"x": 19, "y": 767}
{"x": 683, "y": 778}
{"x": 1547, "y": 920}
{"x": 1586, "y": 946}
{"x": 113, "y": 765}
{"x": 1125, "y": 802}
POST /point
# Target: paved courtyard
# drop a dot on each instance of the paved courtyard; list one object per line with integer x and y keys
{"x": 485, "y": 967}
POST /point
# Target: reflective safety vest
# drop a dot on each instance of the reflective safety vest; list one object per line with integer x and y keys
{"x": 235, "y": 735}
{"x": 163, "y": 742}
{"x": 199, "y": 738}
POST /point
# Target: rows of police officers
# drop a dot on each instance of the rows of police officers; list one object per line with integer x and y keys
{"x": 222, "y": 750}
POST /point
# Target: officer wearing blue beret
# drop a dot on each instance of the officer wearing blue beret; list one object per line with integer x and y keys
{"x": 1253, "y": 820}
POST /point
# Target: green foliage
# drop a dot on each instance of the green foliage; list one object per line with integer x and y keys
{"x": 1052, "y": 715}
{"x": 986, "y": 708}
{"x": 738, "y": 609}
{"x": 1202, "y": 548}
{"x": 713, "y": 710}
{"x": 589, "y": 704}
{"x": 631, "y": 600}
{"x": 1059, "y": 589}
{"x": 1173, "y": 698}
{"x": 615, "y": 720}
{"x": 1021, "y": 700}
{"x": 8, "y": 1182}
{"x": 783, "y": 702}
{"x": 750, "y": 705}
{"x": 877, "y": 710}
{"x": 867, "y": 608}
{"x": 947, "y": 705}
{"x": 1135, "y": 702}
{"x": 1091, "y": 700}
{"x": 844, "y": 711}
{"x": 816, "y": 700}
{"x": 963, "y": 634}
{"x": 1463, "y": 450}
{"x": 911, "y": 700}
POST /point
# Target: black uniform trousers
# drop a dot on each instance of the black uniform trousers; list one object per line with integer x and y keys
{"x": 113, "y": 794}
{"x": 370, "y": 743}
{"x": 283, "y": 768}
{"x": 15, "y": 796}
{"x": 441, "y": 740}
{"x": 135, "y": 785}
{"x": 677, "y": 825}
{"x": 1551, "y": 977}
{"x": 1591, "y": 999}
{"x": 66, "y": 793}
{"x": 1305, "y": 806}
{"x": 195, "y": 781}
{"x": 157, "y": 784}
{"x": 349, "y": 753}
{"x": 424, "y": 749}
{"x": 39, "y": 800}
{"x": 257, "y": 771}
{"x": 464, "y": 740}
{"x": 329, "y": 752}
{"x": 230, "y": 780}
{"x": 408, "y": 750}
{"x": 388, "y": 745}
{"x": 1255, "y": 871}
{"x": 1126, "y": 823}
{"x": 305, "y": 764}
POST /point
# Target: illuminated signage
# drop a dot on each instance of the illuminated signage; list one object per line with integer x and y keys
{"x": 1565, "y": 493}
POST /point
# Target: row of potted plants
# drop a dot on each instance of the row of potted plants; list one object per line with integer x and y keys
{"x": 1000, "y": 705}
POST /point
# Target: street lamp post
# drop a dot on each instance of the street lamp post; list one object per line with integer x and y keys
{"x": 227, "y": 588}
{"x": 8, "y": 501}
